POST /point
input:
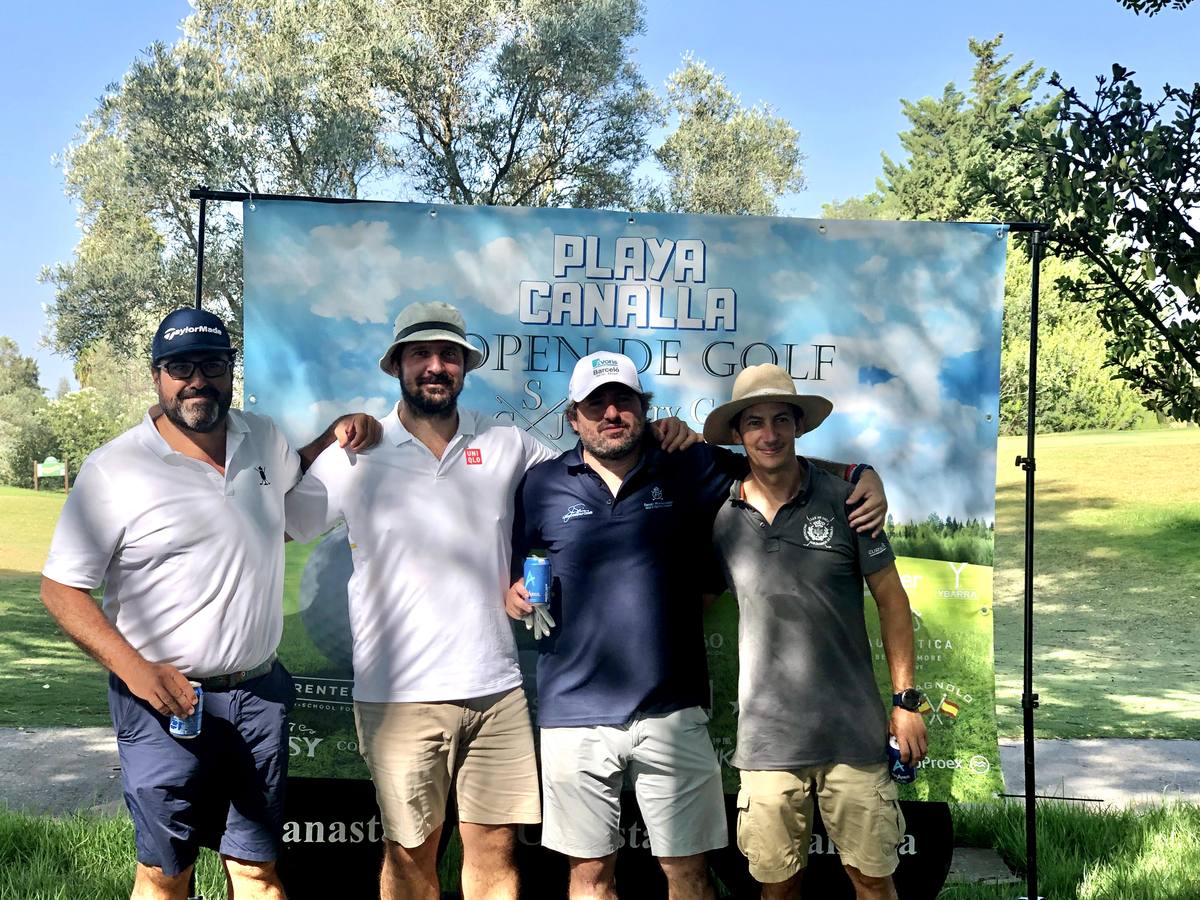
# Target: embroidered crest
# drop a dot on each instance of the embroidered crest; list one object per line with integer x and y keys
{"x": 656, "y": 493}
{"x": 818, "y": 530}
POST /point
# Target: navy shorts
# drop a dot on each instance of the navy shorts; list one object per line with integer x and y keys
{"x": 222, "y": 789}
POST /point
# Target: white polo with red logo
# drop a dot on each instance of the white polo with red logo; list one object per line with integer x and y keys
{"x": 431, "y": 540}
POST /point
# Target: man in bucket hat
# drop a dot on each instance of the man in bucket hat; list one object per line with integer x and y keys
{"x": 623, "y": 679}
{"x": 796, "y": 567}
{"x": 182, "y": 519}
{"x": 438, "y": 702}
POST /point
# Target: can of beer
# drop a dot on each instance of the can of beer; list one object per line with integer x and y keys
{"x": 186, "y": 729}
{"x": 901, "y": 773}
{"x": 537, "y": 579}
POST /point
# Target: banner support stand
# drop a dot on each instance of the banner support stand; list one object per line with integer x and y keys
{"x": 1028, "y": 462}
{"x": 1029, "y": 700}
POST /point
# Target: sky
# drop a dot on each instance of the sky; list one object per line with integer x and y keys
{"x": 836, "y": 71}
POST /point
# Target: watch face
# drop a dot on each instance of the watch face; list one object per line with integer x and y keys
{"x": 910, "y": 699}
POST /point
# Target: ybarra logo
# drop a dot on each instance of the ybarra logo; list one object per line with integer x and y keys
{"x": 370, "y": 830}
{"x": 171, "y": 333}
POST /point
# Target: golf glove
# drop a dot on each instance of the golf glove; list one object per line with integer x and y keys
{"x": 539, "y": 621}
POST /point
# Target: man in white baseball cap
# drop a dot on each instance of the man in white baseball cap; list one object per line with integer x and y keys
{"x": 623, "y": 679}
{"x": 438, "y": 702}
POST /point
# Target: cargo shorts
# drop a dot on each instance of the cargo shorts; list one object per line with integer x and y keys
{"x": 859, "y": 805}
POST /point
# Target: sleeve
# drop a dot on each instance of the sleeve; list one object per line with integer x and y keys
{"x": 525, "y": 534}
{"x": 850, "y": 472}
{"x": 535, "y": 451}
{"x": 715, "y": 469}
{"x": 87, "y": 534}
{"x": 873, "y": 553}
{"x": 288, "y": 459}
{"x": 315, "y": 503}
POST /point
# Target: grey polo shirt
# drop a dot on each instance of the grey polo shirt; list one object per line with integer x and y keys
{"x": 806, "y": 689}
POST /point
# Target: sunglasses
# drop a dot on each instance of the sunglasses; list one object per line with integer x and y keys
{"x": 209, "y": 368}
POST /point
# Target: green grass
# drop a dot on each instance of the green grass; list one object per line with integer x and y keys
{"x": 1116, "y": 587}
{"x": 1118, "y": 526}
{"x": 1085, "y": 854}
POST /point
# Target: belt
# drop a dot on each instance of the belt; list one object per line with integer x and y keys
{"x": 233, "y": 679}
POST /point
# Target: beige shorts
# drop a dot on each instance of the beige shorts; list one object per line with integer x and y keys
{"x": 675, "y": 774}
{"x": 416, "y": 752}
{"x": 859, "y": 806}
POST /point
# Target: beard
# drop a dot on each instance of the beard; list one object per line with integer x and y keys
{"x": 431, "y": 407}
{"x": 614, "y": 448}
{"x": 201, "y": 417}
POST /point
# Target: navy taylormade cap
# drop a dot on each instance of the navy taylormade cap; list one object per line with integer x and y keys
{"x": 190, "y": 330}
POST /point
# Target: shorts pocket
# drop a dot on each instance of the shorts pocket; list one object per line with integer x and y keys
{"x": 892, "y": 820}
{"x": 746, "y": 832}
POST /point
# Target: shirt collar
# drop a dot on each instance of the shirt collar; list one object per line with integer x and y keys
{"x": 394, "y": 430}
{"x": 737, "y": 490}
{"x": 651, "y": 453}
{"x": 149, "y": 434}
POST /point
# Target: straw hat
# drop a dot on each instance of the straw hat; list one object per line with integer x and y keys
{"x": 434, "y": 321}
{"x": 763, "y": 384}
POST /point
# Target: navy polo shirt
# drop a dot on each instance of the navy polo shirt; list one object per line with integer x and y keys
{"x": 628, "y": 574}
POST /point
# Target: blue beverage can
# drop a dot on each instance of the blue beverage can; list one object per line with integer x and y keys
{"x": 186, "y": 729}
{"x": 901, "y": 773}
{"x": 537, "y": 579}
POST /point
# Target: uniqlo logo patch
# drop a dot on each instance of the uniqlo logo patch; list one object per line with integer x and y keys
{"x": 474, "y": 457}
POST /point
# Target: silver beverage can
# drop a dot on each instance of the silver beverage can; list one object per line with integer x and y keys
{"x": 186, "y": 729}
{"x": 537, "y": 579}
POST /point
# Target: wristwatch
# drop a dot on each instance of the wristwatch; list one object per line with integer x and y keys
{"x": 909, "y": 699}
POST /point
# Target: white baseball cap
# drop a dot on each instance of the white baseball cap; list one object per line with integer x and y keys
{"x": 600, "y": 369}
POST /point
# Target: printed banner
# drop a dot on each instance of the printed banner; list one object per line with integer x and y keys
{"x": 897, "y": 323}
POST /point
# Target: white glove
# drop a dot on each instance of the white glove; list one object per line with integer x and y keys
{"x": 539, "y": 621}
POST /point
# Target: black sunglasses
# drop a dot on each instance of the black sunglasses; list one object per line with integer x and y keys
{"x": 209, "y": 368}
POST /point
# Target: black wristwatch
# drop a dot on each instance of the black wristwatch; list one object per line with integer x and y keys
{"x": 909, "y": 699}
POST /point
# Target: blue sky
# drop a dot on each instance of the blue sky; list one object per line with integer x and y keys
{"x": 835, "y": 70}
{"x": 897, "y": 323}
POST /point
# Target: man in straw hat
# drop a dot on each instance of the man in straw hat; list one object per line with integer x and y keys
{"x": 438, "y": 702}
{"x": 623, "y": 679}
{"x": 810, "y": 720}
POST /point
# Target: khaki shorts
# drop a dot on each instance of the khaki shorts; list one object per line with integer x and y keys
{"x": 675, "y": 774}
{"x": 416, "y": 752}
{"x": 859, "y": 806}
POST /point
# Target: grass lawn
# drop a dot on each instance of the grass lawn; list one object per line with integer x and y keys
{"x": 1116, "y": 585}
{"x": 1082, "y": 854}
{"x": 1118, "y": 527}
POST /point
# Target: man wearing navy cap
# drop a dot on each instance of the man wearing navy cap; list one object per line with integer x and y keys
{"x": 182, "y": 519}
{"x": 623, "y": 678}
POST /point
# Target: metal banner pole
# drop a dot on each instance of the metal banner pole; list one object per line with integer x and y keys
{"x": 1029, "y": 700}
{"x": 200, "y": 249}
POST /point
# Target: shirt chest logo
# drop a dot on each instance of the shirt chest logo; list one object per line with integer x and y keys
{"x": 656, "y": 499}
{"x": 474, "y": 456}
{"x": 262, "y": 475}
{"x": 818, "y": 531}
{"x": 579, "y": 509}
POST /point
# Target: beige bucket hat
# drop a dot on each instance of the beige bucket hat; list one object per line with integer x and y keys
{"x": 434, "y": 321}
{"x": 763, "y": 384}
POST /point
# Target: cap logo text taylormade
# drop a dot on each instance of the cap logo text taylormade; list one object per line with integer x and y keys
{"x": 171, "y": 333}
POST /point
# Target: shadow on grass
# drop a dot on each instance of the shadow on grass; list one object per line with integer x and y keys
{"x": 44, "y": 678}
{"x": 1115, "y": 642}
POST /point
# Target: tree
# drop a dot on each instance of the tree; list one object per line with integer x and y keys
{"x": 528, "y": 104}
{"x": 486, "y": 102}
{"x": 16, "y": 371}
{"x": 1117, "y": 178}
{"x": 724, "y": 157}
{"x": 263, "y": 94}
{"x": 1150, "y": 7}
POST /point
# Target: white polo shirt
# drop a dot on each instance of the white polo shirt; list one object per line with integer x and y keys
{"x": 191, "y": 560}
{"x": 431, "y": 540}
